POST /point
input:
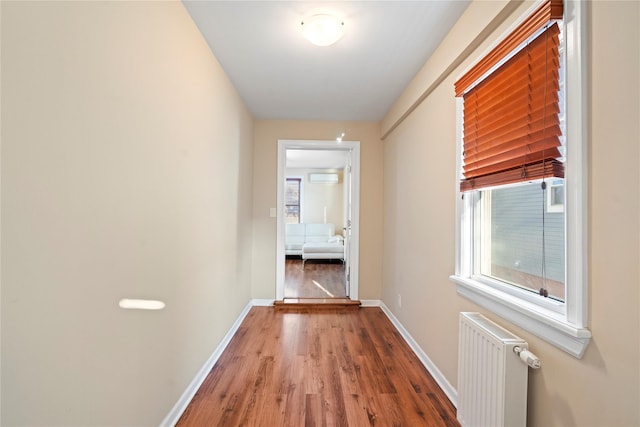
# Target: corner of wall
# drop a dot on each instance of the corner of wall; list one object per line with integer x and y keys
{"x": 475, "y": 25}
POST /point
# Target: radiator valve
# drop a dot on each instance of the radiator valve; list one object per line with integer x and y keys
{"x": 527, "y": 357}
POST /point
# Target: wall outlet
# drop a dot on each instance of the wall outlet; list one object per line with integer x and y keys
{"x": 399, "y": 300}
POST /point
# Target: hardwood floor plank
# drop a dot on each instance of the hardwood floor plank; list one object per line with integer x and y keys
{"x": 332, "y": 367}
{"x": 314, "y": 415}
{"x": 344, "y": 357}
{"x": 294, "y": 415}
{"x": 374, "y": 365}
{"x": 334, "y": 394}
{"x": 318, "y": 279}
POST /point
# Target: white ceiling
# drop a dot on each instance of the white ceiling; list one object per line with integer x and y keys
{"x": 280, "y": 75}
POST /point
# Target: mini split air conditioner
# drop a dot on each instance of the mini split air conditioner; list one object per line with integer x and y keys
{"x": 323, "y": 178}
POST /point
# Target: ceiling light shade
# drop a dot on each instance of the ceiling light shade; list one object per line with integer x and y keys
{"x": 322, "y": 29}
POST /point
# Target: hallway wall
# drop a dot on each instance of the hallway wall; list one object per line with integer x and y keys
{"x": 267, "y": 134}
{"x": 126, "y": 172}
{"x": 603, "y": 388}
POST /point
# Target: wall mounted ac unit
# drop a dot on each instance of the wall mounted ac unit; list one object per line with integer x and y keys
{"x": 323, "y": 178}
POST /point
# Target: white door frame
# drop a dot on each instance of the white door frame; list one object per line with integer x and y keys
{"x": 354, "y": 148}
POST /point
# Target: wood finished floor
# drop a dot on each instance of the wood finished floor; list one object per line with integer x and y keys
{"x": 318, "y": 279}
{"x": 318, "y": 368}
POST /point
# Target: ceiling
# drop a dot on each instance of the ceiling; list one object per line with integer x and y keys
{"x": 280, "y": 75}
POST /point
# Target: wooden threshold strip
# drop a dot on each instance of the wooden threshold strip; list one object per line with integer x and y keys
{"x": 316, "y": 303}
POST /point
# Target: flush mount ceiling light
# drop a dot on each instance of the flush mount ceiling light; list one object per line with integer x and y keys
{"x": 322, "y": 29}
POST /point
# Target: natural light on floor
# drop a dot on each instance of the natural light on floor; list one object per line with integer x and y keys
{"x": 323, "y": 289}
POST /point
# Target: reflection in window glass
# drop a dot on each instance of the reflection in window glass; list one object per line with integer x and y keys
{"x": 522, "y": 242}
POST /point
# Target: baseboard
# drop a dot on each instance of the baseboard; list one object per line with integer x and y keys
{"x": 176, "y": 412}
{"x": 370, "y": 303}
{"x": 261, "y": 302}
{"x": 448, "y": 389}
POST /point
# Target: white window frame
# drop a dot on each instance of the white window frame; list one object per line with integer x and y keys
{"x": 561, "y": 324}
{"x": 553, "y": 207}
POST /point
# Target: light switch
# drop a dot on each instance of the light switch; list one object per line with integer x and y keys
{"x": 272, "y": 212}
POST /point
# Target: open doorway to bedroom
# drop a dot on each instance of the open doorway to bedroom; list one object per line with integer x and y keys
{"x": 317, "y": 217}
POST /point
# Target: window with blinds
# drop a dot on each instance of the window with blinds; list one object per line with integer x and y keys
{"x": 522, "y": 177}
{"x": 512, "y": 146}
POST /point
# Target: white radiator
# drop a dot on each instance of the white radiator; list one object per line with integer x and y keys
{"x": 492, "y": 374}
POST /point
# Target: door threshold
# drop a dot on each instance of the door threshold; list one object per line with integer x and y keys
{"x": 316, "y": 303}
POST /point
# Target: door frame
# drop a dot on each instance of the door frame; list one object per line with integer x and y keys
{"x": 354, "y": 148}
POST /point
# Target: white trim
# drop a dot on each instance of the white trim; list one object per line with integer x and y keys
{"x": 543, "y": 323}
{"x": 280, "y": 219}
{"x": 438, "y": 376}
{"x": 567, "y": 329}
{"x": 176, "y": 412}
{"x": 262, "y": 302}
{"x": 576, "y": 195}
{"x": 354, "y": 241}
{"x": 354, "y": 247}
{"x": 370, "y": 303}
{"x": 554, "y": 207}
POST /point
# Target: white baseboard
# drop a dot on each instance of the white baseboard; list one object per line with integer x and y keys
{"x": 448, "y": 389}
{"x": 174, "y": 415}
{"x": 261, "y": 302}
{"x": 176, "y": 412}
{"x": 370, "y": 303}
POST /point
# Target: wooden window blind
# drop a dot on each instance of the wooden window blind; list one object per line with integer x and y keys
{"x": 545, "y": 13}
{"x": 511, "y": 118}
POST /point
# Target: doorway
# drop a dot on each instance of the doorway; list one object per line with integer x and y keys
{"x": 321, "y": 218}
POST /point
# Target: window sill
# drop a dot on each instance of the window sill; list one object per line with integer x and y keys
{"x": 551, "y": 327}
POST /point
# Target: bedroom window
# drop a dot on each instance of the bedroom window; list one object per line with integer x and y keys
{"x": 519, "y": 253}
{"x": 292, "y": 200}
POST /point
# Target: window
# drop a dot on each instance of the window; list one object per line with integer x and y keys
{"x": 520, "y": 243}
{"x": 520, "y": 253}
{"x": 555, "y": 196}
{"x": 292, "y": 200}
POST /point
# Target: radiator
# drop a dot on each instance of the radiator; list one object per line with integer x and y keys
{"x": 492, "y": 378}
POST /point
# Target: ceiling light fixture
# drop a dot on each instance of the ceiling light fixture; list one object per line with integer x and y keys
{"x": 322, "y": 29}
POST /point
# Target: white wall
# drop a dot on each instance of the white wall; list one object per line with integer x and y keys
{"x": 0, "y": 215}
{"x": 317, "y": 196}
{"x": 603, "y": 388}
{"x": 126, "y": 172}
